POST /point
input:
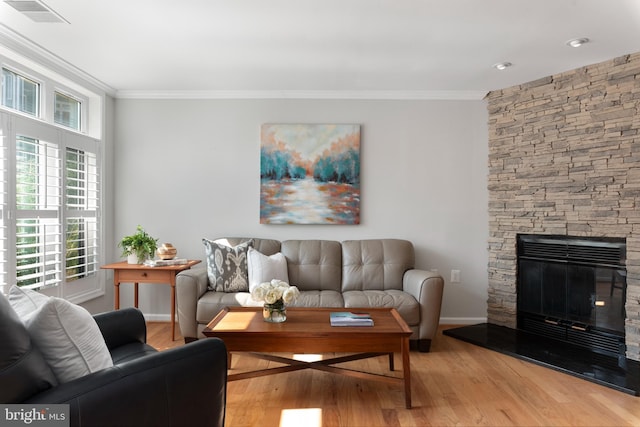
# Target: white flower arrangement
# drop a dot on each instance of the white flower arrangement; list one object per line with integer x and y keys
{"x": 275, "y": 290}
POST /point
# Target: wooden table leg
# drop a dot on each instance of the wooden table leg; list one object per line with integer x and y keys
{"x": 391, "y": 366}
{"x": 173, "y": 309}
{"x": 116, "y": 299}
{"x": 135, "y": 295}
{"x": 406, "y": 367}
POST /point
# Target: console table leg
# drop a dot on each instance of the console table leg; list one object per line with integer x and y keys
{"x": 173, "y": 310}
{"x": 406, "y": 367}
{"x": 116, "y": 297}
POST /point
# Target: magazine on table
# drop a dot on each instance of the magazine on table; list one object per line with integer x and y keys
{"x": 348, "y": 318}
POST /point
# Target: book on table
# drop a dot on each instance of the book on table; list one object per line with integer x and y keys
{"x": 165, "y": 262}
{"x": 348, "y": 318}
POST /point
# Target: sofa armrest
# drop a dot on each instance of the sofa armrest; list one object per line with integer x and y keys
{"x": 181, "y": 386}
{"x": 191, "y": 284}
{"x": 120, "y": 327}
{"x": 427, "y": 287}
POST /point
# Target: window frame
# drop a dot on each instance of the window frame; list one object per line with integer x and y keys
{"x": 27, "y": 76}
{"x": 91, "y": 120}
{"x": 82, "y": 113}
{"x": 89, "y": 139}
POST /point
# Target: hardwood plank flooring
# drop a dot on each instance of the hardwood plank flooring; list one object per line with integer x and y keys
{"x": 456, "y": 384}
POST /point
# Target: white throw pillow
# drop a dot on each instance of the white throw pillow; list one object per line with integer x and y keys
{"x": 69, "y": 338}
{"x": 264, "y": 268}
{"x": 25, "y": 302}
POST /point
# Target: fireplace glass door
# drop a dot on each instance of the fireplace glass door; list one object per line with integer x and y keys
{"x": 542, "y": 288}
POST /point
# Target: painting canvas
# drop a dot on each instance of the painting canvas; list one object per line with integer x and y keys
{"x": 310, "y": 174}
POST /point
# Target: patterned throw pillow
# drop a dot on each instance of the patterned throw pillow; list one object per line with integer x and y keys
{"x": 227, "y": 266}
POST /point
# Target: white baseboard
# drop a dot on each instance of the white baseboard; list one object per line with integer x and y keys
{"x": 158, "y": 318}
{"x": 462, "y": 320}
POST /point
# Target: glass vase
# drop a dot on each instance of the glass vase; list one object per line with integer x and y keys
{"x": 274, "y": 313}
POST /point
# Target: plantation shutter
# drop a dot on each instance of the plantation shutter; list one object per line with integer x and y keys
{"x": 38, "y": 209}
{"x": 4, "y": 208}
{"x": 81, "y": 209}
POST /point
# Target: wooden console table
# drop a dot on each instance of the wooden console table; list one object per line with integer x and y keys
{"x": 138, "y": 273}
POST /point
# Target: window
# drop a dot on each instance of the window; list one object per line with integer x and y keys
{"x": 20, "y": 93}
{"x": 51, "y": 235}
{"x": 66, "y": 111}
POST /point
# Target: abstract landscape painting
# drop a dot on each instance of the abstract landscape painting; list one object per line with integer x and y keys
{"x": 310, "y": 174}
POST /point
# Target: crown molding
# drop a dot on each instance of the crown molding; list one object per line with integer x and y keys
{"x": 24, "y": 47}
{"x": 303, "y": 94}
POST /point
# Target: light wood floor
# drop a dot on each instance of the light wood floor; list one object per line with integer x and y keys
{"x": 456, "y": 384}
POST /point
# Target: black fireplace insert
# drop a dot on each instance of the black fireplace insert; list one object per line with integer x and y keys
{"x": 573, "y": 289}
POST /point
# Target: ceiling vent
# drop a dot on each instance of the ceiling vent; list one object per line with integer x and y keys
{"x": 36, "y": 10}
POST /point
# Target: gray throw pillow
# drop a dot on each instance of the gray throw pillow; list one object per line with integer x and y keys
{"x": 227, "y": 266}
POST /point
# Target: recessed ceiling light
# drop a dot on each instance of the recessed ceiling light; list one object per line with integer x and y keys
{"x": 577, "y": 42}
{"x": 502, "y": 65}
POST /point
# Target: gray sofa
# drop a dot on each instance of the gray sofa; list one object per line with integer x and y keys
{"x": 348, "y": 274}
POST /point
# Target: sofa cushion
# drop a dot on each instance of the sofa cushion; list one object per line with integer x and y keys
{"x": 319, "y": 299}
{"x": 69, "y": 338}
{"x": 406, "y": 305}
{"x": 263, "y": 268}
{"x": 131, "y": 351}
{"x": 211, "y": 303}
{"x": 377, "y": 264}
{"x": 227, "y": 266}
{"x": 314, "y": 264}
{"x": 23, "y": 370}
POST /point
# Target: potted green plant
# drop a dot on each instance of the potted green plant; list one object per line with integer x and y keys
{"x": 138, "y": 247}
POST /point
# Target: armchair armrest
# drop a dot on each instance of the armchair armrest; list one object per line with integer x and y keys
{"x": 120, "y": 327}
{"x": 427, "y": 287}
{"x": 191, "y": 284}
{"x": 181, "y": 386}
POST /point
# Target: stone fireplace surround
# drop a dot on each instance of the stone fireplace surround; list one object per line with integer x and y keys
{"x": 564, "y": 159}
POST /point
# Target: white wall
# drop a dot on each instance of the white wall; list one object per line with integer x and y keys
{"x": 188, "y": 169}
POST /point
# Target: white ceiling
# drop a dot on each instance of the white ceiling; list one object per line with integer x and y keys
{"x": 402, "y": 46}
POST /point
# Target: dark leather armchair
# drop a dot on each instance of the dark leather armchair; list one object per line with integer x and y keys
{"x": 184, "y": 386}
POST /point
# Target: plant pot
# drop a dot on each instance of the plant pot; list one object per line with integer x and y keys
{"x": 133, "y": 259}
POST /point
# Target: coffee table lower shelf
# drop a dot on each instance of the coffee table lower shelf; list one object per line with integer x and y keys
{"x": 307, "y": 330}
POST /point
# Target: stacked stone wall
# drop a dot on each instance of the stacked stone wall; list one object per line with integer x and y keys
{"x": 564, "y": 158}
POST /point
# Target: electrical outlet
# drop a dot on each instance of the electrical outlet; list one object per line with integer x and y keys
{"x": 455, "y": 276}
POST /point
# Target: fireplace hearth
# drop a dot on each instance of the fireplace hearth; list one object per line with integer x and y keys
{"x": 558, "y": 355}
{"x": 571, "y": 294}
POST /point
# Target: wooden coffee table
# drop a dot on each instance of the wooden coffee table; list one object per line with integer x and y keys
{"x": 307, "y": 330}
